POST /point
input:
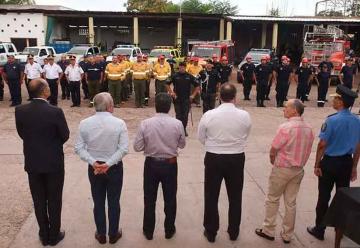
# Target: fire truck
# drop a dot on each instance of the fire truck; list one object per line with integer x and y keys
{"x": 322, "y": 43}
{"x": 206, "y": 49}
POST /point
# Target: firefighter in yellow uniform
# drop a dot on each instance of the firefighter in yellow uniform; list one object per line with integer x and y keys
{"x": 162, "y": 72}
{"x": 148, "y": 79}
{"x": 115, "y": 73}
{"x": 194, "y": 69}
{"x": 139, "y": 72}
{"x": 125, "y": 83}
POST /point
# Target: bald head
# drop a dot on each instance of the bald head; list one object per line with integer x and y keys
{"x": 293, "y": 108}
{"x": 227, "y": 92}
{"x": 39, "y": 88}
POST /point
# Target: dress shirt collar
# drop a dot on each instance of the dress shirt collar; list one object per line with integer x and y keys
{"x": 105, "y": 113}
{"x": 296, "y": 118}
{"x": 227, "y": 105}
{"x": 161, "y": 115}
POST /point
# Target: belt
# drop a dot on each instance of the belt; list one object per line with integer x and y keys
{"x": 172, "y": 160}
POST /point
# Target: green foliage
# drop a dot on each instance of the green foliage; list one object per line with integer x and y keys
{"x": 147, "y": 5}
{"x": 22, "y": 2}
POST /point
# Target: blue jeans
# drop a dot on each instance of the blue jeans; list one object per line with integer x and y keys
{"x": 110, "y": 185}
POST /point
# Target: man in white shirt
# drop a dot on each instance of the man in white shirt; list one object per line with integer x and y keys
{"x": 102, "y": 142}
{"x": 32, "y": 71}
{"x": 224, "y": 132}
{"x": 74, "y": 74}
{"x": 52, "y": 73}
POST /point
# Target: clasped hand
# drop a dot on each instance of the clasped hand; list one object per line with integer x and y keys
{"x": 100, "y": 168}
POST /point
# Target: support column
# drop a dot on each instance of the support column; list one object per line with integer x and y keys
{"x": 229, "y": 30}
{"x": 222, "y": 29}
{"x": 179, "y": 34}
{"x": 91, "y": 31}
{"x": 136, "y": 31}
{"x": 263, "y": 35}
{"x": 275, "y": 36}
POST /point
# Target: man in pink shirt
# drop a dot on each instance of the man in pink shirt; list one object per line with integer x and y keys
{"x": 290, "y": 150}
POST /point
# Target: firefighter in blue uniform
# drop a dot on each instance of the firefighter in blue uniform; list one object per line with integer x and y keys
{"x": 263, "y": 74}
{"x": 304, "y": 75}
{"x": 282, "y": 74}
{"x": 337, "y": 154}
{"x": 13, "y": 75}
{"x": 323, "y": 79}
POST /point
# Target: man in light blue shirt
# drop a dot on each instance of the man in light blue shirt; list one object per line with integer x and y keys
{"x": 102, "y": 142}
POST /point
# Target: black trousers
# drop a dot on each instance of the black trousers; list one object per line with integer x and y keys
{"x": 308, "y": 89}
{"x": 65, "y": 90}
{"x": 301, "y": 91}
{"x": 54, "y": 90}
{"x": 147, "y": 89}
{"x": 281, "y": 90}
{"x": 322, "y": 92}
{"x": 105, "y": 86}
{"x": 247, "y": 84}
{"x": 46, "y": 191}
{"x": 15, "y": 91}
{"x": 182, "y": 107}
{"x": 156, "y": 172}
{"x": 268, "y": 89}
{"x": 335, "y": 170}
{"x": 107, "y": 185}
{"x": 208, "y": 101}
{"x": 85, "y": 88}
{"x": 27, "y": 82}
{"x": 261, "y": 89}
{"x": 229, "y": 167}
{"x": 74, "y": 87}
{"x": 1, "y": 89}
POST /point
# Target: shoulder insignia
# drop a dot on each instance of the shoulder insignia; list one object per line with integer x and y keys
{"x": 323, "y": 127}
{"x": 332, "y": 115}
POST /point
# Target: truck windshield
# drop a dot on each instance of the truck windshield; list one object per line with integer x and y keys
{"x": 31, "y": 50}
{"x": 157, "y": 53}
{"x": 121, "y": 51}
{"x": 78, "y": 50}
{"x": 205, "y": 52}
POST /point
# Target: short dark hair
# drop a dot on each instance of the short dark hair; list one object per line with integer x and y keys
{"x": 227, "y": 92}
{"x": 37, "y": 87}
{"x": 163, "y": 103}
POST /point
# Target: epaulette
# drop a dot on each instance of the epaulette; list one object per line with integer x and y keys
{"x": 331, "y": 115}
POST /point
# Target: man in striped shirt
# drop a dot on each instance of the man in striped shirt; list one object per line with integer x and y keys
{"x": 290, "y": 150}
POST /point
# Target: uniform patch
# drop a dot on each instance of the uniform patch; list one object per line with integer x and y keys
{"x": 323, "y": 127}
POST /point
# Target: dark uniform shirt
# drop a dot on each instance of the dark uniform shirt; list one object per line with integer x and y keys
{"x": 93, "y": 71}
{"x": 248, "y": 70}
{"x": 182, "y": 84}
{"x": 217, "y": 65}
{"x": 329, "y": 65}
{"x": 263, "y": 72}
{"x": 13, "y": 71}
{"x": 209, "y": 81}
{"x": 63, "y": 65}
{"x": 304, "y": 74}
{"x": 348, "y": 72}
{"x": 283, "y": 73}
{"x": 341, "y": 132}
{"x": 83, "y": 65}
{"x": 323, "y": 77}
{"x": 225, "y": 72}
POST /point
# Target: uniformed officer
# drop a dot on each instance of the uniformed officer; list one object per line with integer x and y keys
{"x": 272, "y": 66}
{"x": 337, "y": 153}
{"x": 313, "y": 69}
{"x": 210, "y": 84}
{"x": 247, "y": 73}
{"x": 194, "y": 69}
{"x": 52, "y": 74}
{"x": 172, "y": 63}
{"x": 93, "y": 76}
{"x": 1, "y": 87}
{"x": 323, "y": 79}
{"x": 74, "y": 74}
{"x": 65, "y": 91}
{"x": 225, "y": 70}
{"x": 127, "y": 84}
{"x": 263, "y": 74}
{"x": 282, "y": 74}
{"x": 162, "y": 72}
{"x": 139, "y": 70}
{"x": 13, "y": 75}
{"x": 182, "y": 82}
{"x": 102, "y": 62}
{"x": 32, "y": 71}
{"x": 115, "y": 73}
{"x": 303, "y": 77}
{"x": 83, "y": 64}
{"x": 215, "y": 61}
{"x": 347, "y": 74}
{"x": 328, "y": 63}
{"x": 147, "y": 80}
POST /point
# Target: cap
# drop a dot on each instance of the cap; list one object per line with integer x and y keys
{"x": 196, "y": 59}
{"x": 224, "y": 58}
{"x": 72, "y": 57}
{"x": 267, "y": 56}
{"x": 214, "y": 55}
{"x": 248, "y": 57}
{"x": 304, "y": 60}
{"x": 161, "y": 57}
{"x": 50, "y": 56}
{"x": 209, "y": 61}
{"x": 284, "y": 57}
{"x": 139, "y": 56}
{"x": 30, "y": 56}
{"x": 263, "y": 57}
{"x": 145, "y": 56}
{"x": 345, "y": 94}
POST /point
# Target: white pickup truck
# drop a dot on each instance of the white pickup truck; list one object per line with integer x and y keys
{"x": 6, "y": 48}
{"x": 39, "y": 53}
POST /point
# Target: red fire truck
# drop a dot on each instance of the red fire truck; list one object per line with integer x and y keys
{"x": 206, "y": 49}
{"x": 326, "y": 43}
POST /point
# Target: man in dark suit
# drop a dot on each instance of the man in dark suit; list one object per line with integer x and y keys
{"x": 44, "y": 130}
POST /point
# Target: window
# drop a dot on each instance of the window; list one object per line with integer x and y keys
{"x": 138, "y": 51}
{"x": 10, "y": 48}
{"x": 96, "y": 50}
{"x": 134, "y": 53}
{"x": 29, "y": 31}
{"x": 8, "y": 25}
{"x": 2, "y": 30}
{"x": 177, "y": 54}
{"x": 90, "y": 51}
{"x": 35, "y": 25}
{"x": 14, "y": 19}
{"x": 50, "y": 51}
{"x": 28, "y": 19}
{"x": 2, "y": 49}
{"x": 42, "y": 52}
{"x": 173, "y": 54}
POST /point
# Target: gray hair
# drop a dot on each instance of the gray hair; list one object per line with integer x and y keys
{"x": 298, "y": 106}
{"x": 103, "y": 101}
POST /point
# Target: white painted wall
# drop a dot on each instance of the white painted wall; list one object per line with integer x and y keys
{"x": 23, "y": 25}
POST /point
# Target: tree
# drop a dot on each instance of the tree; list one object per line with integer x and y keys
{"x": 223, "y": 7}
{"x": 195, "y": 6}
{"x": 22, "y": 2}
{"x": 274, "y": 11}
{"x": 147, "y": 5}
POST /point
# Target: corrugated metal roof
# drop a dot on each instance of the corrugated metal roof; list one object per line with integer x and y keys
{"x": 32, "y": 7}
{"x": 297, "y": 19}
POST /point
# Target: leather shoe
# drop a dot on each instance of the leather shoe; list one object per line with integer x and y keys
{"x": 316, "y": 232}
{"x": 169, "y": 235}
{"x": 233, "y": 236}
{"x": 210, "y": 238}
{"x": 55, "y": 241}
{"x": 148, "y": 236}
{"x": 101, "y": 238}
{"x": 44, "y": 241}
{"x": 114, "y": 238}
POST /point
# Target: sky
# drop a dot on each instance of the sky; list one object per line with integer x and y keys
{"x": 245, "y": 7}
